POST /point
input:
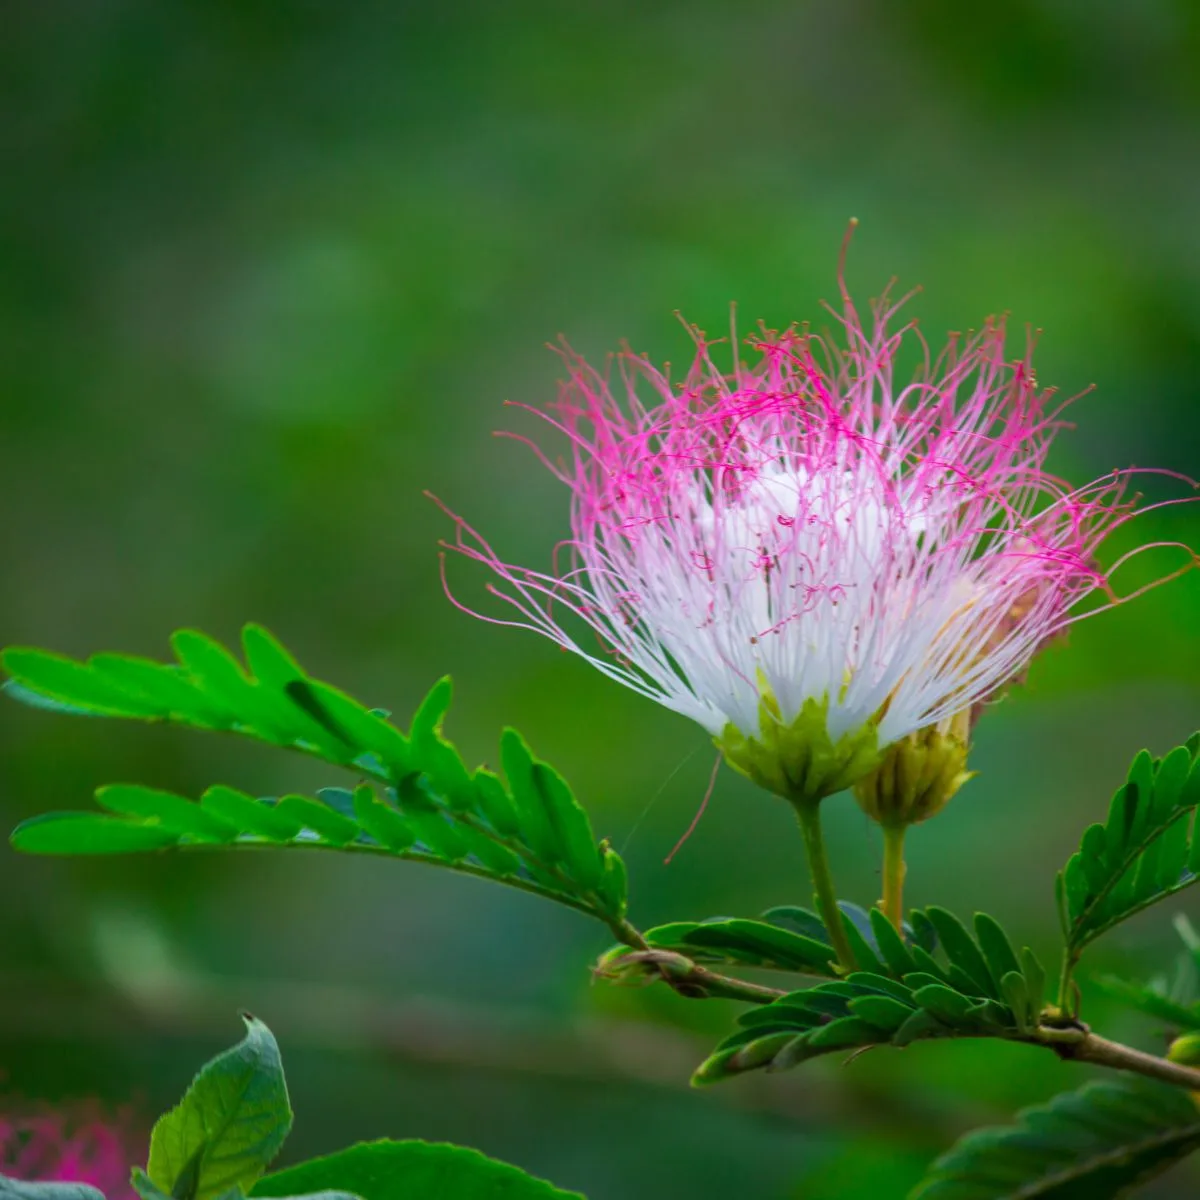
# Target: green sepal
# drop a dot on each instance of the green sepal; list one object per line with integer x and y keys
{"x": 799, "y": 761}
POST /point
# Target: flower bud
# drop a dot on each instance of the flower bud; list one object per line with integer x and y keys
{"x": 918, "y": 774}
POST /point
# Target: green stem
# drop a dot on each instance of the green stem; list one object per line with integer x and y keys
{"x": 1065, "y": 998}
{"x": 809, "y": 814}
{"x": 894, "y": 871}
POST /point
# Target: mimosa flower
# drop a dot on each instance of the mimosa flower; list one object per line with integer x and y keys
{"x": 807, "y": 558}
{"x": 79, "y": 1145}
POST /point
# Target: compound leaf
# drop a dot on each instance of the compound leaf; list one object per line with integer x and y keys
{"x": 532, "y": 833}
{"x": 1147, "y": 849}
{"x": 885, "y": 1005}
{"x": 1091, "y": 1144}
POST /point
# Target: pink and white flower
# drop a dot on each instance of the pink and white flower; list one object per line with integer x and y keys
{"x": 79, "y": 1144}
{"x": 799, "y": 540}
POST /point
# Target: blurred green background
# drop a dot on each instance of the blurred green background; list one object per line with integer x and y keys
{"x": 268, "y": 270}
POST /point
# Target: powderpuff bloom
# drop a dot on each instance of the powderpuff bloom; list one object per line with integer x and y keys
{"x": 81, "y": 1145}
{"x": 806, "y": 557}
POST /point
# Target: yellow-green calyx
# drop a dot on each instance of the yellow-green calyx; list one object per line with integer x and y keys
{"x": 799, "y": 760}
{"x": 917, "y": 776}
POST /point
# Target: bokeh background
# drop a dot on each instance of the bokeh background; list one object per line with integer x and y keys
{"x": 269, "y": 270}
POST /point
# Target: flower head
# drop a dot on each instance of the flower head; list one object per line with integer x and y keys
{"x": 806, "y": 557}
{"x": 80, "y": 1145}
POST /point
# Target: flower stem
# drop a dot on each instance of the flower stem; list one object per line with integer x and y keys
{"x": 894, "y": 871}
{"x": 809, "y": 814}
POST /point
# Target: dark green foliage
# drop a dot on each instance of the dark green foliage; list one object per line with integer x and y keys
{"x": 1151, "y": 998}
{"x": 532, "y": 834}
{"x": 1144, "y": 852}
{"x": 1174, "y": 999}
{"x": 388, "y": 1170}
{"x": 979, "y": 987}
{"x": 790, "y": 938}
{"x": 1090, "y": 1144}
{"x": 228, "y": 1127}
{"x": 746, "y": 943}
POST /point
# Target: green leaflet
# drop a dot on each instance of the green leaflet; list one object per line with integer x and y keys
{"x": 229, "y": 1125}
{"x": 746, "y": 943}
{"x": 789, "y": 938}
{"x": 406, "y": 1170}
{"x": 1089, "y": 1144}
{"x": 1145, "y": 851}
{"x": 531, "y": 833}
{"x": 980, "y": 987}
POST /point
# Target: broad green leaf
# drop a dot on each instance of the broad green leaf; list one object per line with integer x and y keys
{"x": 229, "y": 1125}
{"x": 410, "y": 1170}
{"x": 18, "y": 1189}
{"x": 1091, "y": 1144}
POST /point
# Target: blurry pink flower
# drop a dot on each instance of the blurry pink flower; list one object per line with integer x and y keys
{"x": 805, "y": 557}
{"x": 80, "y": 1145}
